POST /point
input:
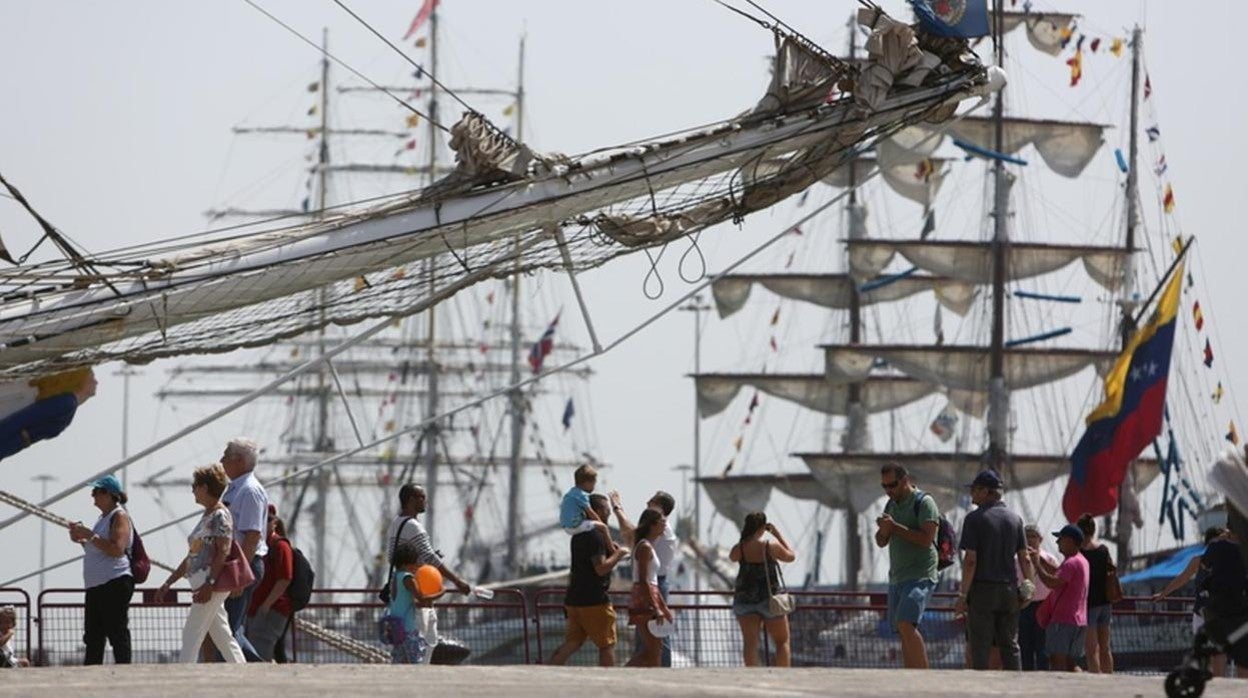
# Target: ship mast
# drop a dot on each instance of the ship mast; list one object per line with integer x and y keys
{"x": 998, "y": 397}
{"x": 515, "y": 537}
{"x": 430, "y": 436}
{"x": 856, "y": 436}
{"x": 1128, "y": 304}
{"x": 321, "y": 443}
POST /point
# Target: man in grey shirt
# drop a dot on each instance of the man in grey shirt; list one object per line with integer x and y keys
{"x": 992, "y": 539}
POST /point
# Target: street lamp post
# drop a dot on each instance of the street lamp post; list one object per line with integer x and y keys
{"x": 125, "y": 372}
{"x": 697, "y": 306}
{"x": 43, "y": 481}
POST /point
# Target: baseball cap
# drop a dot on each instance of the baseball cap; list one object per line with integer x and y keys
{"x": 108, "y": 483}
{"x": 987, "y": 478}
{"x": 1072, "y": 531}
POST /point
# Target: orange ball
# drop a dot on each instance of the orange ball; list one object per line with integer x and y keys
{"x": 428, "y": 580}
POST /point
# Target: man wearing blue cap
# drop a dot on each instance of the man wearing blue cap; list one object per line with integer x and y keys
{"x": 992, "y": 539}
{"x": 1067, "y": 605}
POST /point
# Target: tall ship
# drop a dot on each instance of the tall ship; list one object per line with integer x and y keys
{"x": 991, "y": 270}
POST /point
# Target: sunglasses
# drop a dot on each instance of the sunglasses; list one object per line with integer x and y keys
{"x": 889, "y": 485}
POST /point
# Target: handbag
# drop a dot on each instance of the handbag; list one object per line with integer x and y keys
{"x": 384, "y": 594}
{"x": 1044, "y": 612}
{"x": 1113, "y": 588}
{"x": 235, "y": 573}
{"x": 778, "y": 604}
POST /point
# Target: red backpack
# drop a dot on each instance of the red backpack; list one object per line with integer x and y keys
{"x": 140, "y": 563}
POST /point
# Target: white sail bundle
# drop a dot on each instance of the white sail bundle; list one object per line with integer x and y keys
{"x": 835, "y": 290}
{"x": 735, "y": 496}
{"x": 1067, "y": 147}
{"x": 962, "y": 367}
{"x": 504, "y": 210}
{"x": 971, "y": 261}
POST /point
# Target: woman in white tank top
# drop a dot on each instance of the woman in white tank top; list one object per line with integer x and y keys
{"x": 646, "y": 603}
{"x": 106, "y": 573}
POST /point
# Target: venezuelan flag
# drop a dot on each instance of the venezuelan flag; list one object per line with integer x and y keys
{"x": 1130, "y": 416}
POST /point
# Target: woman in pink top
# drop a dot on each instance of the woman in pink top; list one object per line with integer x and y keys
{"x": 1067, "y": 601}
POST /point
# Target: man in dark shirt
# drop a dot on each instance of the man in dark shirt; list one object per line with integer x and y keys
{"x": 992, "y": 539}
{"x": 587, "y": 604}
{"x": 1226, "y": 583}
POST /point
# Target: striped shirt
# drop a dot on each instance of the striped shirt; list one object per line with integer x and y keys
{"x": 414, "y": 533}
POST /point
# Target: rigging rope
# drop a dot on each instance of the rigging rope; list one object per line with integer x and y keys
{"x": 403, "y": 103}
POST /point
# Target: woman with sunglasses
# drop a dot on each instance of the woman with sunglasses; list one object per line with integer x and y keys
{"x": 106, "y": 573}
{"x": 209, "y": 547}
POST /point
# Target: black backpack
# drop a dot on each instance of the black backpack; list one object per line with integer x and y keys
{"x": 946, "y": 538}
{"x": 300, "y": 589}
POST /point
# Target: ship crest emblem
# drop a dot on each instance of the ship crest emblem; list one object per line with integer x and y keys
{"x": 949, "y": 11}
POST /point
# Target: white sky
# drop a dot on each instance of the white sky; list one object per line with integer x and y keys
{"x": 115, "y": 122}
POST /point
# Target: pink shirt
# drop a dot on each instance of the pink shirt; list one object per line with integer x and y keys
{"x": 1070, "y": 605}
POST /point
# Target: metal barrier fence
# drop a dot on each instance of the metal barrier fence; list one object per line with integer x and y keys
{"x": 837, "y": 629}
{"x": 20, "y": 601}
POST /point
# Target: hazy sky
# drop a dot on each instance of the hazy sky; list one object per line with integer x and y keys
{"x": 115, "y": 122}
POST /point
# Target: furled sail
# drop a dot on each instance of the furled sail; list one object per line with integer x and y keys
{"x": 971, "y": 261}
{"x": 962, "y": 367}
{"x": 881, "y": 394}
{"x": 735, "y": 496}
{"x": 1044, "y": 29}
{"x": 1067, "y": 147}
{"x": 878, "y": 393}
{"x": 504, "y": 210}
{"x": 918, "y": 181}
{"x": 834, "y": 290}
{"x": 945, "y": 475}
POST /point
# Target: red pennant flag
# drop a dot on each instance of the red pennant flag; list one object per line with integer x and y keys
{"x": 788, "y": 263}
{"x": 1096, "y": 43}
{"x": 775, "y": 318}
{"x": 1076, "y": 67}
{"x": 1233, "y": 435}
{"x": 1208, "y": 354}
{"x": 1167, "y": 201}
{"x": 1148, "y": 87}
{"x": 421, "y": 16}
{"x": 774, "y": 346}
{"x": 1198, "y": 316}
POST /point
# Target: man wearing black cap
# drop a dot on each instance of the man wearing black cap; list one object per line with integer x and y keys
{"x": 992, "y": 539}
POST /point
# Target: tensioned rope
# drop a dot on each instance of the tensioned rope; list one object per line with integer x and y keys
{"x": 403, "y": 103}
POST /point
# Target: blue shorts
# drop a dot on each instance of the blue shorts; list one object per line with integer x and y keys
{"x": 1100, "y": 615}
{"x": 1060, "y": 638}
{"x": 908, "y": 600}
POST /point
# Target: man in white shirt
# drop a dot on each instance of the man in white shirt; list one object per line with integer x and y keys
{"x": 666, "y": 547}
{"x": 249, "y": 508}
{"x": 405, "y": 527}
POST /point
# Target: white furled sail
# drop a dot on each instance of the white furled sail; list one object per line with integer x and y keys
{"x": 1067, "y": 147}
{"x": 504, "y": 210}
{"x": 962, "y": 367}
{"x": 1044, "y": 29}
{"x": 918, "y": 181}
{"x": 834, "y": 290}
{"x": 971, "y": 261}
{"x": 945, "y": 475}
{"x": 735, "y": 496}
{"x": 717, "y": 390}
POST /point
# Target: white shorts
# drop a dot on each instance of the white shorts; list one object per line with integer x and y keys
{"x": 583, "y": 527}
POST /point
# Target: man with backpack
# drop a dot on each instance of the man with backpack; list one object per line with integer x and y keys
{"x": 909, "y": 527}
{"x": 285, "y": 588}
{"x": 992, "y": 540}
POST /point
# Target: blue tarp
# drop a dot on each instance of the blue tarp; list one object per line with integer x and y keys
{"x": 1166, "y": 569}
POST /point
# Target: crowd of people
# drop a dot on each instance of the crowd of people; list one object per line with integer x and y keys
{"x": 1024, "y": 608}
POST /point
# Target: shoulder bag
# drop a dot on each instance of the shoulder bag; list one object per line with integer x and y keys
{"x": 1113, "y": 588}
{"x": 236, "y": 572}
{"x": 384, "y": 594}
{"x": 778, "y": 604}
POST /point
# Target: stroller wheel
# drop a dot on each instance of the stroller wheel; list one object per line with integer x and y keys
{"x": 1185, "y": 683}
